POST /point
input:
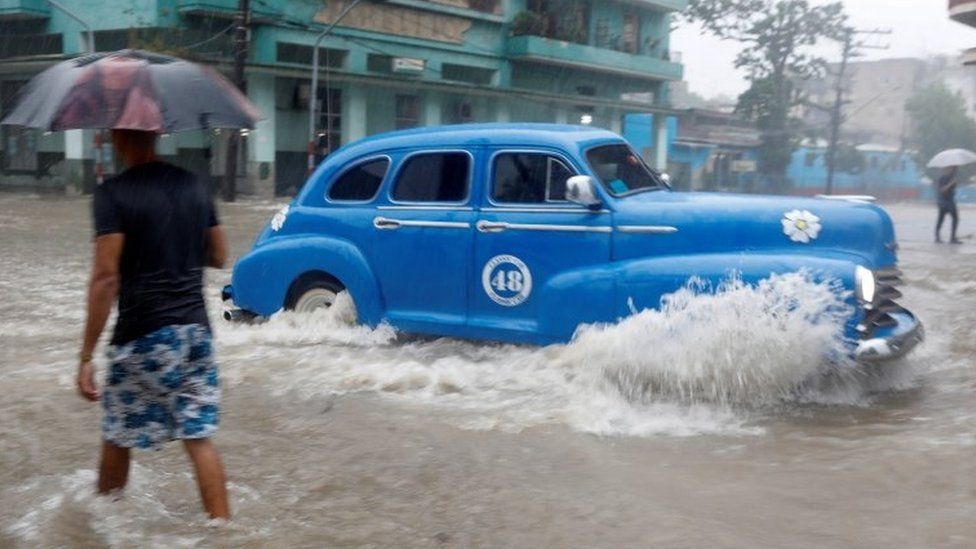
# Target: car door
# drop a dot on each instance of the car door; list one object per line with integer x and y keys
{"x": 528, "y": 241}
{"x": 423, "y": 236}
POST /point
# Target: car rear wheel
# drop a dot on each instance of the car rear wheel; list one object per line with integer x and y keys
{"x": 313, "y": 296}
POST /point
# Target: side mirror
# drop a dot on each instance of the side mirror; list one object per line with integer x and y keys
{"x": 581, "y": 189}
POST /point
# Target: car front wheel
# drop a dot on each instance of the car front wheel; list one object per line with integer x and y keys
{"x": 315, "y": 296}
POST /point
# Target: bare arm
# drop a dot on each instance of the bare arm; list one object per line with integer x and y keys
{"x": 217, "y": 252}
{"x": 103, "y": 288}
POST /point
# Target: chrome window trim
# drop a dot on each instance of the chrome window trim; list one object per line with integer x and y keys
{"x": 409, "y": 156}
{"x": 430, "y": 208}
{"x": 362, "y": 161}
{"x": 647, "y": 229}
{"x": 544, "y": 210}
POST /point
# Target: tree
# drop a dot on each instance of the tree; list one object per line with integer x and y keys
{"x": 777, "y": 36}
{"x": 939, "y": 121}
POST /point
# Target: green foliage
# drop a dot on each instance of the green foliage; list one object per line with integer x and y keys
{"x": 528, "y": 23}
{"x": 777, "y": 38}
{"x": 938, "y": 122}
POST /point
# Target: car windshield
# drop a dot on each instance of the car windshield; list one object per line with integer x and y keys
{"x": 621, "y": 171}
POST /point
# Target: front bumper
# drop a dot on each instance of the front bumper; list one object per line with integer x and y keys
{"x": 892, "y": 342}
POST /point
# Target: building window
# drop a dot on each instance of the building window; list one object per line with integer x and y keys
{"x": 329, "y": 129}
{"x": 379, "y": 63}
{"x": 440, "y": 177}
{"x": 631, "y": 33}
{"x": 463, "y": 113}
{"x": 19, "y": 144}
{"x": 469, "y": 75}
{"x": 302, "y": 55}
{"x": 407, "y": 111}
{"x": 361, "y": 183}
{"x": 529, "y": 178}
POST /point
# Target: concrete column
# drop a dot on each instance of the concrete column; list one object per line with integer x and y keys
{"x": 79, "y": 169}
{"x": 660, "y": 130}
{"x": 616, "y": 121}
{"x": 261, "y": 145}
{"x": 354, "y": 104}
{"x": 562, "y": 116}
{"x": 432, "y": 109}
{"x": 503, "y": 112}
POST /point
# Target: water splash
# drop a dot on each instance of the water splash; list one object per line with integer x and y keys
{"x": 706, "y": 362}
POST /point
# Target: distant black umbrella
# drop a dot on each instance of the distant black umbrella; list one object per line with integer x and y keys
{"x": 133, "y": 90}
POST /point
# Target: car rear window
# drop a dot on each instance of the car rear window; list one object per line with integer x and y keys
{"x": 435, "y": 177}
{"x": 529, "y": 178}
{"x": 360, "y": 183}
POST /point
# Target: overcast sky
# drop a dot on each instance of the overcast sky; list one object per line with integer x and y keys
{"x": 920, "y": 28}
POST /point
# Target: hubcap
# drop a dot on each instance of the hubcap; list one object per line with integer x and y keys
{"x": 314, "y": 299}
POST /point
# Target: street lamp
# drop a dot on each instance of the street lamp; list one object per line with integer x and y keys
{"x": 313, "y": 103}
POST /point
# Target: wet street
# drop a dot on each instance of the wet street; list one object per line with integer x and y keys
{"x": 342, "y": 436}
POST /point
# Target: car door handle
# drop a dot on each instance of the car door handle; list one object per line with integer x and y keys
{"x": 492, "y": 227}
{"x": 385, "y": 224}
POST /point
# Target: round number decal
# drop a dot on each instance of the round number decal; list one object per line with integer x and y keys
{"x": 507, "y": 280}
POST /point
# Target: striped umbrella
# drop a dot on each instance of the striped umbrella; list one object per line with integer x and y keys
{"x": 133, "y": 90}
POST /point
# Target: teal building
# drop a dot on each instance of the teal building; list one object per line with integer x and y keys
{"x": 388, "y": 64}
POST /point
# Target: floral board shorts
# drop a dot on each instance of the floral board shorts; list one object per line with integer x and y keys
{"x": 161, "y": 387}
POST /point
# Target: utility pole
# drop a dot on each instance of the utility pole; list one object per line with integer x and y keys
{"x": 313, "y": 103}
{"x": 851, "y": 48}
{"x": 242, "y": 37}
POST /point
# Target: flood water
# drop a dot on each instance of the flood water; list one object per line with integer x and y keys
{"x": 654, "y": 433}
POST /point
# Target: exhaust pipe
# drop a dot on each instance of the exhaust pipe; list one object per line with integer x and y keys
{"x": 240, "y": 315}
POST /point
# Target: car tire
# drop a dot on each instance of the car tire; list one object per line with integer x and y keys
{"x": 314, "y": 295}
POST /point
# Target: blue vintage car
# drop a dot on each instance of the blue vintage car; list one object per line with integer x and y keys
{"x": 524, "y": 232}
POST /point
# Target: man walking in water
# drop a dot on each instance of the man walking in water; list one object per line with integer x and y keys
{"x": 156, "y": 230}
{"x": 946, "y": 191}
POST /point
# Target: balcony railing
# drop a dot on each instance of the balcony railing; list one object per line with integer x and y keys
{"x": 963, "y": 11}
{"x": 227, "y": 8}
{"x": 663, "y": 5}
{"x": 556, "y": 52}
{"x": 24, "y": 9}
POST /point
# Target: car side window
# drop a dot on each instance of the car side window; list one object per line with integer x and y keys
{"x": 529, "y": 178}
{"x": 435, "y": 177}
{"x": 361, "y": 183}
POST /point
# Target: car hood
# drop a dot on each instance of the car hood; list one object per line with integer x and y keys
{"x": 723, "y": 223}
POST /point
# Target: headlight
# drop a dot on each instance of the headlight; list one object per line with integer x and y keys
{"x": 864, "y": 284}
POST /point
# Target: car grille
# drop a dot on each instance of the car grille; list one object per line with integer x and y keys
{"x": 878, "y": 314}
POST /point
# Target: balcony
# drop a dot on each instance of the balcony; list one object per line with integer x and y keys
{"x": 260, "y": 11}
{"x": 24, "y": 9}
{"x": 568, "y": 54}
{"x": 963, "y": 11}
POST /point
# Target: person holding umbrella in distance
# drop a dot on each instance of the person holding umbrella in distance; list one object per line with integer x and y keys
{"x": 945, "y": 188}
{"x": 156, "y": 229}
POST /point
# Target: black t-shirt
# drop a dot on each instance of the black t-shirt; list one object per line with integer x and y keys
{"x": 165, "y": 215}
{"x": 947, "y": 194}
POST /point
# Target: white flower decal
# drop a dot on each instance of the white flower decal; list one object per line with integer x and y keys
{"x": 278, "y": 221}
{"x": 801, "y": 226}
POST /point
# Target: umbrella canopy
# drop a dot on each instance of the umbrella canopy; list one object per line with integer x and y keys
{"x": 132, "y": 90}
{"x": 952, "y": 158}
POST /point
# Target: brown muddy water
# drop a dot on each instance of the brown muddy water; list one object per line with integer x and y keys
{"x": 338, "y": 436}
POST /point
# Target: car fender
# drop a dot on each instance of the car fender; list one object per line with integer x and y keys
{"x": 262, "y": 277}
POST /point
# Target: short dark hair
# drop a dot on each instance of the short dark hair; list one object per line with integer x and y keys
{"x": 137, "y": 138}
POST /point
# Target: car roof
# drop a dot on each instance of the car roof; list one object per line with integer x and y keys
{"x": 468, "y": 135}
